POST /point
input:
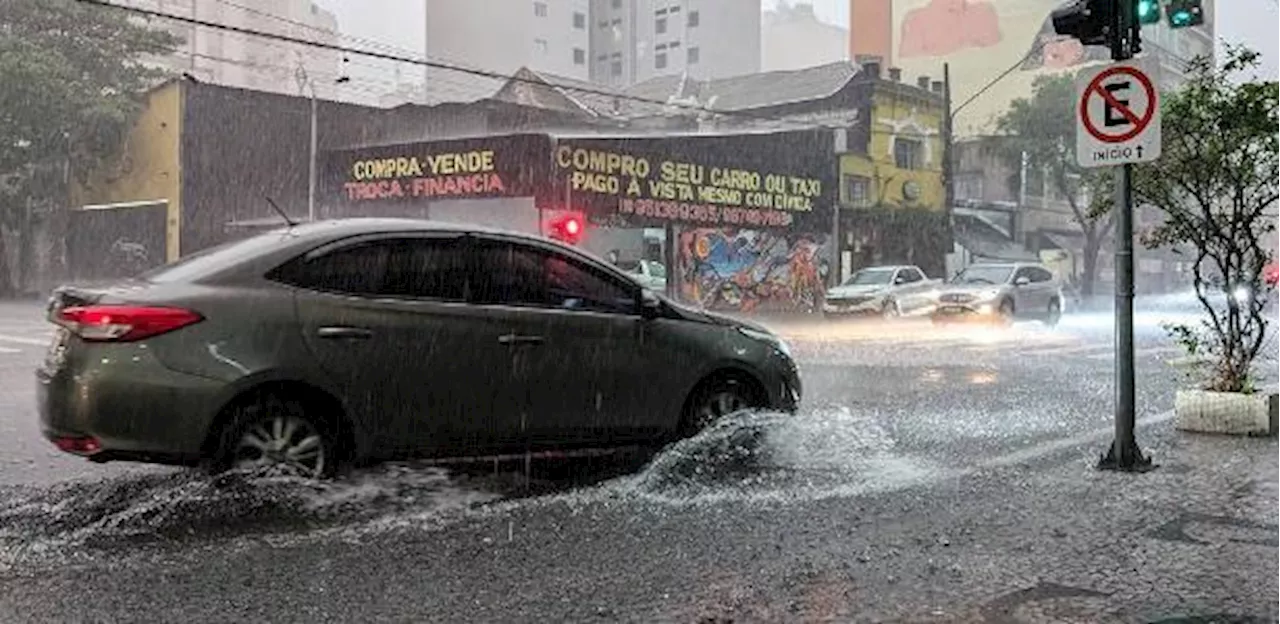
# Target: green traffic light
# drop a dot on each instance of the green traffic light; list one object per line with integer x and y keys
{"x": 1181, "y": 18}
{"x": 1148, "y": 11}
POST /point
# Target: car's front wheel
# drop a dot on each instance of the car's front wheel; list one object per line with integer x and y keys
{"x": 271, "y": 431}
{"x": 716, "y": 398}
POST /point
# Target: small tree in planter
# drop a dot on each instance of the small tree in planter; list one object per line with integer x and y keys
{"x": 1216, "y": 183}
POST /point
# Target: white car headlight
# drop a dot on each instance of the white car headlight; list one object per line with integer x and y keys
{"x": 763, "y": 336}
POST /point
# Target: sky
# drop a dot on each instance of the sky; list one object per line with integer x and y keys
{"x": 399, "y": 25}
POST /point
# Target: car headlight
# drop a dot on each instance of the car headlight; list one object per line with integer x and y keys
{"x": 764, "y": 336}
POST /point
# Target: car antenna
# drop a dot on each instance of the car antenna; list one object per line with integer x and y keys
{"x": 282, "y": 214}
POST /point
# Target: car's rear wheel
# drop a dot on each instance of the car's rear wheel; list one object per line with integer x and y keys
{"x": 273, "y": 431}
{"x": 716, "y": 398}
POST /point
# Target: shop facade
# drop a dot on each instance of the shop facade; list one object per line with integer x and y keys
{"x": 738, "y": 222}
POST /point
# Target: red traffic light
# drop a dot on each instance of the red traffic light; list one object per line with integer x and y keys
{"x": 568, "y": 228}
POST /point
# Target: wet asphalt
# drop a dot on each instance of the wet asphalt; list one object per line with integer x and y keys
{"x": 912, "y": 440}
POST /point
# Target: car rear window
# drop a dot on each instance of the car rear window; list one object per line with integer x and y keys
{"x": 208, "y": 261}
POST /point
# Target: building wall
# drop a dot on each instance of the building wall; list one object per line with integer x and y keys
{"x": 246, "y": 61}
{"x": 792, "y": 37}
{"x": 980, "y": 38}
{"x": 891, "y": 211}
{"x": 149, "y": 168}
{"x": 502, "y": 36}
{"x": 706, "y": 38}
{"x": 897, "y": 116}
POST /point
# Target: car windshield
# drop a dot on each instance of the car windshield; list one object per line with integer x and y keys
{"x": 206, "y": 261}
{"x": 869, "y": 277}
{"x": 984, "y": 274}
{"x": 630, "y": 266}
{"x": 657, "y": 269}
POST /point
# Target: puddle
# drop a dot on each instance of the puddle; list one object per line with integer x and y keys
{"x": 755, "y": 457}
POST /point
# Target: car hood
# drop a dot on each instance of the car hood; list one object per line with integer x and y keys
{"x": 857, "y": 290}
{"x": 691, "y": 313}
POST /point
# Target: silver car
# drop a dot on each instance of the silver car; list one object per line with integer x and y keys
{"x": 1002, "y": 293}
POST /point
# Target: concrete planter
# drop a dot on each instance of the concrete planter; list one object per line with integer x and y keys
{"x": 1228, "y": 413}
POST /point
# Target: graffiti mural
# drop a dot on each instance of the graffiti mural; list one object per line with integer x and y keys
{"x": 749, "y": 270}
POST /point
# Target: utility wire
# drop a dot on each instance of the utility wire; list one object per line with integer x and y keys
{"x": 447, "y": 66}
{"x": 1039, "y": 46}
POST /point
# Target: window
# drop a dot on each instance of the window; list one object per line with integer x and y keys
{"x": 604, "y": 24}
{"x": 1040, "y": 275}
{"x": 432, "y": 268}
{"x": 540, "y": 45}
{"x": 540, "y": 9}
{"x": 615, "y": 68}
{"x": 907, "y": 153}
{"x": 694, "y": 19}
{"x": 1023, "y": 273}
{"x": 617, "y": 4}
{"x": 579, "y": 21}
{"x": 857, "y": 190}
{"x": 660, "y": 60}
{"x": 359, "y": 269}
{"x": 579, "y": 56}
{"x": 969, "y": 186}
{"x": 693, "y": 55}
{"x": 660, "y": 25}
{"x": 909, "y": 276}
{"x": 515, "y": 275}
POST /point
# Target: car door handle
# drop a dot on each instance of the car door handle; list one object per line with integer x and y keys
{"x": 515, "y": 339}
{"x": 344, "y": 333}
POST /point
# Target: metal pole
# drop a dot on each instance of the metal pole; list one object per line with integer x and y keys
{"x": 311, "y": 174}
{"x": 1124, "y": 453}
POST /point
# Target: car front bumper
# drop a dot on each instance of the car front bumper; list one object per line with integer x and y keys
{"x": 861, "y": 308}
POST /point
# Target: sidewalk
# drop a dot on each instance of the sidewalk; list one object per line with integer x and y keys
{"x": 1196, "y": 538}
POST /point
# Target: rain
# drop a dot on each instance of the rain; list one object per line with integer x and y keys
{"x": 641, "y": 311}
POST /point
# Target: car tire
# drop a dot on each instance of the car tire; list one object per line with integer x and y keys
{"x": 890, "y": 310}
{"x": 716, "y": 398}
{"x": 275, "y": 429}
{"x": 1005, "y": 313}
{"x": 1054, "y": 314}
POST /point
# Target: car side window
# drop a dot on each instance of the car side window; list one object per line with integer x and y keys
{"x": 1021, "y": 273}
{"x": 358, "y": 269}
{"x": 910, "y": 276}
{"x": 428, "y": 268}
{"x": 573, "y": 285}
{"x": 519, "y": 275}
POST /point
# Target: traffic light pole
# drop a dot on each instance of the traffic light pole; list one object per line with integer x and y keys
{"x": 1124, "y": 454}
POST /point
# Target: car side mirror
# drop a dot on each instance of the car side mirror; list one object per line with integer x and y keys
{"x": 1022, "y": 281}
{"x": 898, "y": 281}
{"x": 650, "y": 304}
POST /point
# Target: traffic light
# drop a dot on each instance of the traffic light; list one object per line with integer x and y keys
{"x": 1185, "y": 13}
{"x": 1086, "y": 20}
{"x": 1148, "y": 11}
{"x": 567, "y": 227}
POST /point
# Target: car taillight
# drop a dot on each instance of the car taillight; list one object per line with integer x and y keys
{"x": 122, "y": 323}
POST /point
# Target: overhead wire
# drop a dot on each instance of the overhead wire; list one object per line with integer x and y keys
{"x": 612, "y": 95}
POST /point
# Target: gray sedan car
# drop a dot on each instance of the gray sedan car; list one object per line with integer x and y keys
{"x": 1001, "y": 292}
{"x": 359, "y": 340}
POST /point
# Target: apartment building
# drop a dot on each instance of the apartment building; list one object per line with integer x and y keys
{"x": 501, "y": 36}
{"x": 635, "y": 40}
{"x": 792, "y": 37}
{"x": 246, "y": 61}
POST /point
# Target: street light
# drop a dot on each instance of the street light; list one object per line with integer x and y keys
{"x": 305, "y": 81}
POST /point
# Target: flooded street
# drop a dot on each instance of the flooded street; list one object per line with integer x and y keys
{"x": 928, "y": 466}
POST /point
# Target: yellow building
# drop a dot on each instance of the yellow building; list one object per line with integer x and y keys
{"x": 892, "y": 196}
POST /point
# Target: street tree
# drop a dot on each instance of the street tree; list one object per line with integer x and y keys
{"x": 73, "y": 78}
{"x": 1216, "y": 185}
{"x": 1041, "y": 128}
